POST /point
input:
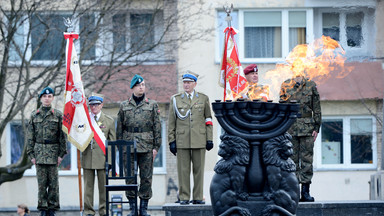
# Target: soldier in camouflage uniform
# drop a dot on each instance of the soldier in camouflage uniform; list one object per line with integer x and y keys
{"x": 304, "y": 131}
{"x": 139, "y": 119}
{"x": 46, "y": 148}
{"x": 255, "y": 90}
{"x": 93, "y": 158}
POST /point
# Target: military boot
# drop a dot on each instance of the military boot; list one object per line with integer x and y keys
{"x": 143, "y": 207}
{"x": 305, "y": 196}
{"x": 43, "y": 213}
{"x": 51, "y": 212}
{"x": 132, "y": 207}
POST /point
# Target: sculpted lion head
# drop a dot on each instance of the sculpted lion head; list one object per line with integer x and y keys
{"x": 277, "y": 150}
{"x": 234, "y": 151}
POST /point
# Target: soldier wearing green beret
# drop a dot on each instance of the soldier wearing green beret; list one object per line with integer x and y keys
{"x": 93, "y": 158}
{"x": 139, "y": 118}
{"x": 304, "y": 131}
{"x": 46, "y": 148}
{"x": 190, "y": 135}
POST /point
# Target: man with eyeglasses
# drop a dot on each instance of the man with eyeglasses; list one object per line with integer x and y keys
{"x": 93, "y": 158}
{"x": 139, "y": 119}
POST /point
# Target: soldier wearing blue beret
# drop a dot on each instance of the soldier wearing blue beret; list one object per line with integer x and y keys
{"x": 46, "y": 147}
{"x": 139, "y": 118}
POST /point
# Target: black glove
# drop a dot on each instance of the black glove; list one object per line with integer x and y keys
{"x": 172, "y": 147}
{"x": 209, "y": 145}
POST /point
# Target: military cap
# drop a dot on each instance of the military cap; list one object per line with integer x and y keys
{"x": 95, "y": 98}
{"x": 190, "y": 76}
{"x": 251, "y": 68}
{"x": 137, "y": 79}
{"x": 46, "y": 90}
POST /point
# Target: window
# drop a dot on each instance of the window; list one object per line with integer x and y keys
{"x": 119, "y": 32}
{"x": 142, "y": 31}
{"x": 268, "y": 36}
{"x": 88, "y": 31}
{"x": 15, "y": 142}
{"x": 347, "y": 142}
{"x": 351, "y": 27}
{"x": 47, "y": 36}
{"x": 159, "y": 163}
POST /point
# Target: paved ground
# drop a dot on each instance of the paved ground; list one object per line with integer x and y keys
{"x": 75, "y": 213}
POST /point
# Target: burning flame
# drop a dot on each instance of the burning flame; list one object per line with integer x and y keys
{"x": 313, "y": 61}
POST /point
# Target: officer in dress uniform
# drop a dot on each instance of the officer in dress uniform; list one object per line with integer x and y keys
{"x": 305, "y": 129}
{"x": 46, "y": 148}
{"x": 139, "y": 119}
{"x": 93, "y": 158}
{"x": 189, "y": 136}
{"x": 255, "y": 91}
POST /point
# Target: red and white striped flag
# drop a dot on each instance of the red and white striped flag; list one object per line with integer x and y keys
{"x": 232, "y": 76}
{"x": 77, "y": 123}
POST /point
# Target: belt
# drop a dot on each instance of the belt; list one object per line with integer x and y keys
{"x": 48, "y": 141}
{"x": 306, "y": 115}
{"x": 138, "y": 130}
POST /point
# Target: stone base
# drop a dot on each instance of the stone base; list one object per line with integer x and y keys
{"x": 175, "y": 209}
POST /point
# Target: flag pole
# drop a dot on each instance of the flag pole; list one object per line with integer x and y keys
{"x": 69, "y": 23}
{"x": 228, "y": 10}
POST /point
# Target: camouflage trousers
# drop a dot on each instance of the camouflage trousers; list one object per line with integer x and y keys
{"x": 145, "y": 164}
{"x": 48, "y": 183}
{"x": 303, "y": 157}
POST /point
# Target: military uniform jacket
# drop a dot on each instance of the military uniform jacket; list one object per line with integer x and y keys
{"x": 307, "y": 95}
{"x": 192, "y": 132}
{"x": 140, "y": 122}
{"x": 93, "y": 157}
{"x": 46, "y": 140}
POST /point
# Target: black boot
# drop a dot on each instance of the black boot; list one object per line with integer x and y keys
{"x": 132, "y": 207}
{"x": 143, "y": 207}
{"x": 305, "y": 196}
{"x": 51, "y": 212}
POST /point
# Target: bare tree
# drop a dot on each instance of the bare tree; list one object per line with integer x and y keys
{"x": 115, "y": 37}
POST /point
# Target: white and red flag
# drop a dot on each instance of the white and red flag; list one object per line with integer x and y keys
{"x": 232, "y": 76}
{"x": 77, "y": 123}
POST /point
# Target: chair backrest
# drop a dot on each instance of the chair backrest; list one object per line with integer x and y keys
{"x": 119, "y": 152}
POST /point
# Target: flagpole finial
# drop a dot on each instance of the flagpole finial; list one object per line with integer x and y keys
{"x": 228, "y": 10}
{"x": 69, "y": 23}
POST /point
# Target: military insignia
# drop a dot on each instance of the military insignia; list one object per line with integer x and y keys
{"x": 77, "y": 98}
{"x": 80, "y": 128}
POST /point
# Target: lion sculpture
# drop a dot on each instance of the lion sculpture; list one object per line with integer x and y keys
{"x": 227, "y": 184}
{"x": 282, "y": 186}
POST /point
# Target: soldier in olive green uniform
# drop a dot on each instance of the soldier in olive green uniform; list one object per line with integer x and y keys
{"x": 304, "y": 131}
{"x": 139, "y": 119}
{"x": 190, "y": 135}
{"x": 46, "y": 148}
{"x": 93, "y": 158}
{"x": 255, "y": 90}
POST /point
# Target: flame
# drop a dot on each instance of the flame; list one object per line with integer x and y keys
{"x": 313, "y": 61}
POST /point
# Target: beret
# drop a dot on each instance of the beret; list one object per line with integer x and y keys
{"x": 136, "y": 79}
{"x": 251, "y": 68}
{"x": 46, "y": 90}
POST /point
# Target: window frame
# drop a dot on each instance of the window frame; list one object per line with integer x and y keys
{"x": 367, "y": 42}
{"x": 284, "y": 31}
{"x": 347, "y": 164}
{"x": 164, "y": 134}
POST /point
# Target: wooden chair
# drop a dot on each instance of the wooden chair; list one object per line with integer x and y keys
{"x": 117, "y": 167}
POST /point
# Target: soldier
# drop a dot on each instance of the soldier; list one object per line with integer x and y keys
{"x": 93, "y": 158}
{"x": 189, "y": 135}
{"x": 139, "y": 119}
{"x": 255, "y": 91}
{"x": 304, "y": 131}
{"x": 46, "y": 148}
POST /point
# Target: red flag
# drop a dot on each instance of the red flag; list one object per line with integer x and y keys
{"x": 77, "y": 124}
{"x": 232, "y": 76}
